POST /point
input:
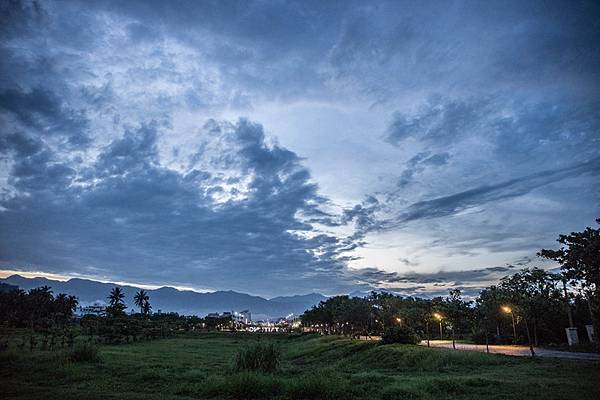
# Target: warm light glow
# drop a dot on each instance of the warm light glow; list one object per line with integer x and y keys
{"x": 398, "y": 319}
{"x": 506, "y": 309}
{"x": 438, "y": 316}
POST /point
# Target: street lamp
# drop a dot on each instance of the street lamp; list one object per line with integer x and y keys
{"x": 399, "y": 320}
{"x": 509, "y": 310}
{"x": 439, "y": 317}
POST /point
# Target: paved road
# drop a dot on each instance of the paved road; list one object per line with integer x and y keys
{"x": 522, "y": 351}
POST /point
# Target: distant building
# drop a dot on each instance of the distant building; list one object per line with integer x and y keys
{"x": 242, "y": 317}
{"x": 94, "y": 309}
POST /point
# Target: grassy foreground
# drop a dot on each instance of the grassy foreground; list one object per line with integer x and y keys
{"x": 312, "y": 367}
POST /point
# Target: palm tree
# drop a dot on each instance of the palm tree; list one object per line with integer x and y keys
{"x": 40, "y": 301}
{"x": 64, "y": 306}
{"x": 142, "y": 300}
{"x": 116, "y": 304}
{"x": 146, "y": 308}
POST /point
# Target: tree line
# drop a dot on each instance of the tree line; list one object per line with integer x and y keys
{"x": 46, "y": 321}
{"x": 532, "y": 306}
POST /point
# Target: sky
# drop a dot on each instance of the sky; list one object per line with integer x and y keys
{"x": 287, "y": 147}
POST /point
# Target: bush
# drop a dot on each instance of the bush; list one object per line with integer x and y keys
{"x": 400, "y": 334}
{"x": 85, "y": 352}
{"x": 258, "y": 357}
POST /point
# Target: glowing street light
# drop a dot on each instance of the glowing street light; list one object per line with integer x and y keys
{"x": 509, "y": 310}
{"x": 439, "y": 317}
{"x": 399, "y": 320}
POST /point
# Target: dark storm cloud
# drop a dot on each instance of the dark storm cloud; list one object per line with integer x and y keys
{"x": 162, "y": 221}
{"x": 42, "y": 110}
{"x": 100, "y": 177}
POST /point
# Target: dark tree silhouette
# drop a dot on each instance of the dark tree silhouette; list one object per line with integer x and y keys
{"x": 116, "y": 307}
{"x": 142, "y": 300}
{"x": 457, "y": 311}
{"x": 579, "y": 258}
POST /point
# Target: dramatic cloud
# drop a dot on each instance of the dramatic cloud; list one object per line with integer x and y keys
{"x": 277, "y": 147}
{"x": 513, "y": 188}
{"x": 127, "y": 213}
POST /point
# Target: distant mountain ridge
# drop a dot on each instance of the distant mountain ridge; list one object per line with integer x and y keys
{"x": 168, "y": 299}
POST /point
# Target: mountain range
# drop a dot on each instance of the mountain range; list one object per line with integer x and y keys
{"x": 168, "y": 299}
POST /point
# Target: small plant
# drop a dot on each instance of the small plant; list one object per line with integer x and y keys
{"x": 85, "y": 352}
{"x": 258, "y": 357}
{"x": 400, "y": 334}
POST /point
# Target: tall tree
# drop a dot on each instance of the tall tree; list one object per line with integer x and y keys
{"x": 489, "y": 306}
{"x": 64, "y": 306}
{"x": 142, "y": 300}
{"x": 457, "y": 312}
{"x": 116, "y": 306}
{"x": 579, "y": 258}
{"x": 532, "y": 293}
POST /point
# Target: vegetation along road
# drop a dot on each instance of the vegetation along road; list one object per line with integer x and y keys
{"x": 232, "y": 365}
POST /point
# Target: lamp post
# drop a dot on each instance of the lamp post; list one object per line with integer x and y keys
{"x": 439, "y": 317}
{"x": 509, "y": 310}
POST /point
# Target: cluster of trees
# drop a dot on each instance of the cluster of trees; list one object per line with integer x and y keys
{"x": 379, "y": 312}
{"x": 37, "y": 309}
{"x": 532, "y": 306}
{"x": 46, "y": 321}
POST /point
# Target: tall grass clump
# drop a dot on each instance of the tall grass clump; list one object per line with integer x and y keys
{"x": 85, "y": 352}
{"x": 263, "y": 357}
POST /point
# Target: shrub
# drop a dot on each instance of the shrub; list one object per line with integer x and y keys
{"x": 258, "y": 357}
{"x": 399, "y": 334}
{"x": 85, "y": 352}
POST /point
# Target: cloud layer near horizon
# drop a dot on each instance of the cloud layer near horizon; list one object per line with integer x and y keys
{"x": 277, "y": 147}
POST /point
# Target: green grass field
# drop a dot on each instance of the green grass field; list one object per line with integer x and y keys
{"x": 312, "y": 367}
